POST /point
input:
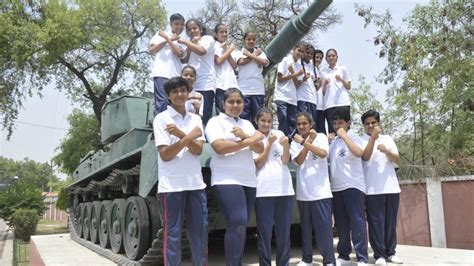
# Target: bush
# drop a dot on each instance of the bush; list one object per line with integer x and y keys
{"x": 24, "y": 222}
{"x": 61, "y": 203}
{"x": 21, "y": 195}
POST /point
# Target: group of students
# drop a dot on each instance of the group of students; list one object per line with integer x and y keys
{"x": 249, "y": 166}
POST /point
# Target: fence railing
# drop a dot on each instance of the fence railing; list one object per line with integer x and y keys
{"x": 21, "y": 253}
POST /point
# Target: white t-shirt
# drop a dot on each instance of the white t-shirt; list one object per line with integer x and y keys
{"x": 189, "y": 104}
{"x": 204, "y": 65}
{"x": 225, "y": 75}
{"x": 336, "y": 94}
{"x": 312, "y": 177}
{"x": 250, "y": 77}
{"x": 183, "y": 172}
{"x": 346, "y": 169}
{"x": 319, "y": 93}
{"x": 274, "y": 178}
{"x": 285, "y": 91}
{"x": 306, "y": 91}
{"x": 380, "y": 176}
{"x": 166, "y": 63}
{"x": 236, "y": 168}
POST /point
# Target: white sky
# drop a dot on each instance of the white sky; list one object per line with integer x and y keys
{"x": 353, "y": 43}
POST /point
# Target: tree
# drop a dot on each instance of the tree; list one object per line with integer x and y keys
{"x": 21, "y": 195}
{"x": 38, "y": 174}
{"x": 429, "y": 64}
{"x": 83, "y": 136}
{"x": 362, "y": 100}
{"x": 84, "y": 47}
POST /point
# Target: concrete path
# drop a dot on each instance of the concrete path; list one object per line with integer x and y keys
{"x": 61, "y": 250}
{"x": 6, "y": 244}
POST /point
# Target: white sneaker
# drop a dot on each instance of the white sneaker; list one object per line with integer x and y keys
{"x": 395, "y": 259}
{"x": 342, "y": 262}
{"x": 302, "y": 263}
{"x": 361, "y": 263}
{"x": 380, "y": 261}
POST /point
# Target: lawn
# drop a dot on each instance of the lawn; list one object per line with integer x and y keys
{"x": 47, "y": 227}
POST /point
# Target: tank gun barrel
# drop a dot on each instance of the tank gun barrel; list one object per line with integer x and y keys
{"x": 293, "y": 32}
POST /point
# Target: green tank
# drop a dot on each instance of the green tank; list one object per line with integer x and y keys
{"x": 112, "y": 203}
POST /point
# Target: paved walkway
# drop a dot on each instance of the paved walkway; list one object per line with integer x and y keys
{"x": 6, "y": 244}
{"x": 61, "y": 250}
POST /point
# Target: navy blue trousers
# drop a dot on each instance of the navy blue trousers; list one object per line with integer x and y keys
{"x": 252, "y": 103}
{"x": 219, "y": 98}
{"x": 236, "y": 203}
{"x": 276, "y": 211}
{"x": 320, "y": 122}
{"x": 303, "y": 106}
{"x": 382, "y": 219}
{"x": 174, "y": 208}
{"x": 208, "y": 97}
{"x": 286, "y": 117}
{"x": 316, "y": 215}
{"x": 161, "y": 100}
{"x": 349, "y": 215}
{"x": 328, "y": 113}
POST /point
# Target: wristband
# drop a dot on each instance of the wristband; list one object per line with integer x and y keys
{"x": 302, "y": 142}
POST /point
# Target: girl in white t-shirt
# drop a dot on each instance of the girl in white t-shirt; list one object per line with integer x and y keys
{"x": 274, "y": 203}
{"x": 305, "y": 87}
{"x": 285, "y": 96}
{"x": 233, "y": 176}
{"x": 200, "y": 50}
{"x": 194, "y": 104}
{"x": 224, "y": 64}
{"x": 336, "y": 86}
{"x": 251, "y": 61}
{"x": 320, "y": 119}
{"x": 309, "y": 150}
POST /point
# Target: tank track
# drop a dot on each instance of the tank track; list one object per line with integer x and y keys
{"x": 154, "y": 254}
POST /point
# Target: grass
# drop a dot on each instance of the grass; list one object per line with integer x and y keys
{"x": 47, "y": 227}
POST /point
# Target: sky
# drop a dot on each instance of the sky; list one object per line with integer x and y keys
{"x": 42, "y": 122}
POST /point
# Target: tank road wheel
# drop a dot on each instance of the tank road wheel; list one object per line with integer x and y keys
{"x": 115, "y": 226}
{"x": 103, "y": 223}
{"x": 94, "y": 216}
{"x": 78, "y": 219}
{"x": 136, "y": 228}
{"x": 154, "y": 213}
{"x": 86, "y": 217}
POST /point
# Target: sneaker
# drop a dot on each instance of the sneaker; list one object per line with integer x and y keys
{"x": 380, "y": 261}
{"x": 395, "y": 259}
{"x": 302, "y": 263}
{"x": 361, "y": 263}
{"x": 343, "y": 262}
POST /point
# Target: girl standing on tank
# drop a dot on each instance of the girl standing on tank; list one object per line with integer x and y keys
{"x": 305, "y": 84}
{"x": 233, "y": 176}
{"x": 224, "y": 64}
{"x": 274, "y": 203}
{"x": 251, "y": 61}
{"x": 200, "y": 49}
{"x": 285, "y": 96}
{"x": 309, "y": 150}
{"x": 336, "y": 86}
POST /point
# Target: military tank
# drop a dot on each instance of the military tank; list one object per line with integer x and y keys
{"x": 112, "y": 203}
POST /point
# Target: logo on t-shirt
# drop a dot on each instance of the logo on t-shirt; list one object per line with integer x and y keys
{"x": 342, "y": 153}
{"x": 315, "y": 157}
{"x": 276, "y": 153}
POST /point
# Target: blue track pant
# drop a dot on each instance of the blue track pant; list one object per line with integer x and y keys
{"x": 382, "y": 218}
{"x": 317, "y": 215}
{"x": 276, "y": 211}
{"x": 236, "y": 204}
{"x": 174, "y": 208}
{"x": 349, "y": 215}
